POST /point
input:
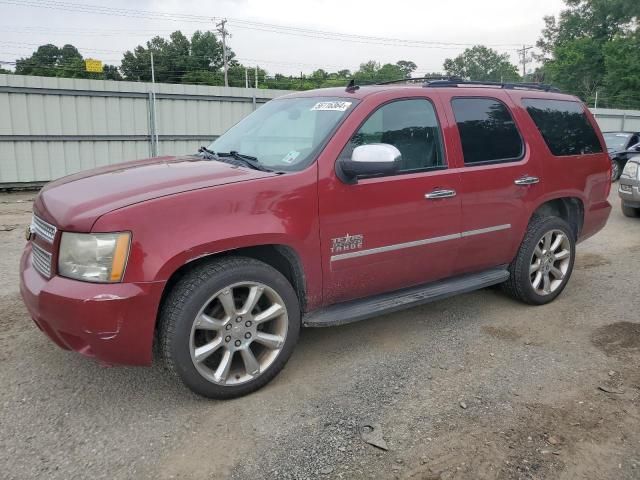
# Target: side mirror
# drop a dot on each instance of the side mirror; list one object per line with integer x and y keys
{"x": 369, "y": 160}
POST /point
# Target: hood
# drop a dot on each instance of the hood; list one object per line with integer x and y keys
{"x": 77, "y": 201}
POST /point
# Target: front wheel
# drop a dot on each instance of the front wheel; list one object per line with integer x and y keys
{"x": 544, "y": 261}
{"x": 228, "y": 327}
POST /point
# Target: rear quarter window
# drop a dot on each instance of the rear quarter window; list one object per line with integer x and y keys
{"x": 564, "y": 126}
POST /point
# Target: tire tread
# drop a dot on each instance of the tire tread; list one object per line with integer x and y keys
{"x": 176, "y": 301}
{"x": 519, "y": 266}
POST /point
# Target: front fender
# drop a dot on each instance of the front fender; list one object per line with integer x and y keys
{"x": 221, "y": 246}
{"x": 171, "y": 231}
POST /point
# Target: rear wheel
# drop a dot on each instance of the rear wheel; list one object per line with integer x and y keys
{"x": 544, "y": 261}
{"x": 228, "y": 327}
{"x": 629, "y": 211}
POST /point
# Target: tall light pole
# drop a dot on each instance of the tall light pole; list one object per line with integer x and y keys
{"x": 223, "y": 32}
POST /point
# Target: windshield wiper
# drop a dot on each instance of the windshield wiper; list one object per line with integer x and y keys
{"x": 246, "y": 159}
{"x": 210, "y": 154}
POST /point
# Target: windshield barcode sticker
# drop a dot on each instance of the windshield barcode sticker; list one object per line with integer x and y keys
{"x": 332, "y": 106}
{"x": 291, "y": 156}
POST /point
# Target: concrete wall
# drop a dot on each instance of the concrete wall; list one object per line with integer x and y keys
{"x": 51, "y": 127}
{"x": 612, "y": 120}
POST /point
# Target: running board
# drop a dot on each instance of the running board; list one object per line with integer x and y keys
{"x": 356, "y": 310}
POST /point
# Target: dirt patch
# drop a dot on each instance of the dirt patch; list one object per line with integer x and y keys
{"x": 591, "y": 260}
{"x": 13, "y": 313}
{"x": 569, "y": 440}
{"x": 502, "y": 333}
{"x": 618, "y": 339}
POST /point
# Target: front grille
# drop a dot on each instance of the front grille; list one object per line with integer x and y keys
{"x": 41, "y": 260}
{"x": 43, "y": 229}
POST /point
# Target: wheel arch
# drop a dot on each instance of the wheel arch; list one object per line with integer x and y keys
{"x": 281, "y": 257}
{"x": 570, "y": 209}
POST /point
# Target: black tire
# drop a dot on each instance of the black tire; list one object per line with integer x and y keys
{"x": 616, "y": 170}
{"x": 519, "y": 285}
{"x": 187, "y": 298}
{"x": 629, "y": 211}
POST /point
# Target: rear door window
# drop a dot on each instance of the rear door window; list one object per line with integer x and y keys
{"x": 564, "y": 126}
{"x": 487, "y": 131}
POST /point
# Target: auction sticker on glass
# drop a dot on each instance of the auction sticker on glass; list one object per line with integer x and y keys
{"x": 332, "y": 106}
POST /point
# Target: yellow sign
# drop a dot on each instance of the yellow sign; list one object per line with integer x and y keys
{"x": 92, "y": 65}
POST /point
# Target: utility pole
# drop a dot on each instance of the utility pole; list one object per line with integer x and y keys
{"x": 246, "y": 78}
{"x": 256, "y": 76}
{"x": 224, "y": 33}
{"x": 523, "y": 51}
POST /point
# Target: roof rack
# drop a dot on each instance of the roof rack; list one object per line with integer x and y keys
{"x": 416, "y": 79}
{"x": 453, "y": 81}
{"x": 457, "y": 82}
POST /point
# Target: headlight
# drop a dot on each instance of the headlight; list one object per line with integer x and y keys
{"x": 93, "y": 257}
{"x": 630, "y": 170}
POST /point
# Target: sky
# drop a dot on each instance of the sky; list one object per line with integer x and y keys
{"x": 443, "y": 29}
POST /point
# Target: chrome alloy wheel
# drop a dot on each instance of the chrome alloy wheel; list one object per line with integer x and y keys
{"x": 238, "y": 333}
{"x": 550, "y": 262}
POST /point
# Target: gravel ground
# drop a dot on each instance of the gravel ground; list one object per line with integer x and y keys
{"x": 472, "y": 387}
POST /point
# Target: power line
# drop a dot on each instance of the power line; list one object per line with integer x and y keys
{"x": 251, "y": 25}
{"x": 341, "y": 36}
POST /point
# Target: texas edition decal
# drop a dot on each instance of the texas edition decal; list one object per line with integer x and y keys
{"x": 346, "y": 243}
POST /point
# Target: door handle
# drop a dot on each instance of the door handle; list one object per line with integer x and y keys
{"x": 440, "y": 193}
{"x": 527, "y": 180}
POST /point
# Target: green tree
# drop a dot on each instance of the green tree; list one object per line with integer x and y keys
{"x": 575, "y": 47}
{"x": 50, "y": 61}
{"x": 178, "y": 59}
{"x": 407, "y": 67}
{"x": 389, "y": 72}
{"x": 111, "y": 72}
{"x": 367, "y": 72}
{"x": 47, "y": 61}
{"x": 373, "y": 72}
{"x": 483, "y": 64}
{"x": 622, "y": 76}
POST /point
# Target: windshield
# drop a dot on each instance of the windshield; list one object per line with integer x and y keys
{"x": 285, "y": 134}
{"x": 615, "y": 141}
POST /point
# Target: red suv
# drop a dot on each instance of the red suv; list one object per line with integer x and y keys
{"x": 320, "y": 208}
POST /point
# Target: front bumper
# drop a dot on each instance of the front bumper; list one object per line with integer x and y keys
{"x": 629, "y": 192}
{"x": 112, "y": 322}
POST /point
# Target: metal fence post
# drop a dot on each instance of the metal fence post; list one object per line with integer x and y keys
{"x": 152, "y": 126}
